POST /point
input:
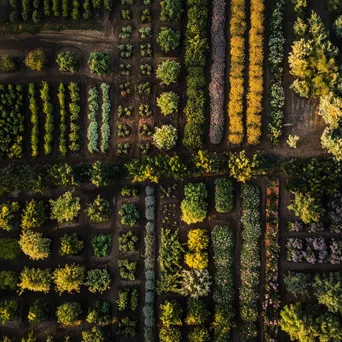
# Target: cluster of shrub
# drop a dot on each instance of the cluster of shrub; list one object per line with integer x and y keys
{"x": 223, "y": 242}
{"x": 250, "y": 261}
{"x": 224, "y": 200}
{"x": 37, "y": 10}
{"x": 238, "y": 26}
{"x": 149, "y": 263}
{"x": 12, "y": 121}
{"x": 41, "y": 178}
{"x": 320, "y": 320}
{"x": 276, "y": 46}
{"x": 196, "y": 46}
{"x": 255, "y": 72}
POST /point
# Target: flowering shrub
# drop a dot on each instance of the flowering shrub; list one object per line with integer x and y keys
{"x": 106, "y": 112}
{"x": 250, "y": 259}
{"x": 224, "y": 292}
{"x": 218, "y": 56}
{"x": 276, "y": 45}
{"x": 92, "y": 132}
{"x": 165, "y": 137}
{"x": 237, "y": 68}
{"x": 195, "y": 283}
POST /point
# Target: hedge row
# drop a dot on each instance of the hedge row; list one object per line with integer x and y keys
{"x": 92, "y": 131}
{"x": 218, "y": 55}
{"x": 75, "y": 109}
{"x": 196, "y": 45}
{"x": 34, "y": 119}
{"x": 224, "y": 200}
{"x": 250, "y": 261}
{"x": 276, "y": 46}
{"x": 224, "y": 292}
{"x": 238, "y": 28}
{"x": 49, "y": 120}
{"x": 106, "y": 111}
{"x": 62, "y": 144}
{"x": 255, "y": 73}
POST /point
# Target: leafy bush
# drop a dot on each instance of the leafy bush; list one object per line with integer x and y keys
{"x": 34, "y": 245}
{"x": 7, "y": 64}
{"x": 70, "y": 245}
{"x": 9, "y": 248}
{"x": 170, "y": 10}
{"x": 199, "y": 334}
{"x": 165, "y": 137}
{"x": 34, "y": 119}
{"x": 34, "y": 215}
{"x": 99, "y": 210}
{"x": 99, "y": 63}
{"x": 68, "y": 313}
{"x": 128, "y": 242}
{"x": 122, "y": 300}
{"x": 106, "y": 113}
{"x": 7, "y": 215}
{"x": 129, "y": 214}
{"x": 102, "y": 174}
{"x": 298, "y": 283}
{"x": 194, "y": 204}
{"x": 38, "y": 312}
{"x": 99, "y": 312}
{"x": 127, "y": 327}
{"x": 68, "y": 61}
{"x": 168, "y": 102}
{"x": 223, "y": 195}
{"x": 66, "y": 208}
{"x": 69, "y": 278}
{"x": 98, "y": 280}
{"x": 8, "y": 280}
{"x": 8, "y": 310}
{"x": 168, "y": 72}
{"x": 95, "y": 333}
{"x": 241, "y": 167}
{"x": 35, "y": 60}
{"x": 49, "y": 119}
{"x": 92, "y": 132}
{"x": 127, "y": 269}
{"x": 35, "y": 279}
{"x": 168, "y": 39}
{"x": 171, "y": 313}
{"x": 195, "y": 283}
{"x": 170, "y": 334}
{"x": 101, "y": 245}
{"x": 197, "y": 312}
{"x": 75, "y": 109}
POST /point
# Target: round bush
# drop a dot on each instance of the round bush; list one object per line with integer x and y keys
{"x": 168, "y": 39}
{"x": 36, "y": 60}
{"x": 99, "y": 63}
{"x": 68, "y": 61}
{"x": 168, "y": 102}
{"x": 165, "y": 137}
{"x": 168, "y": 72}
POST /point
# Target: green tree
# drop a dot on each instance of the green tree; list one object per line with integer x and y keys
{"x": 99, "y": 63}
{"x": 38, "y": 311}
{"x": 101, "y": 244}
{"x": 170, "y": 10}
{"x": 171, "y": 313}
{"x": 7, "y": 64}
{"x": 34, "y": 245}
{"x": 68, "y": 313}
{"x": 70, "y": 244}
{"x": 66, "y": 208}
{"x": 306, "y": 207}
{"x": 68, "y": 61}
{"x": 168, "y": 102}
{"x": 34, "y": 215}
{"x": 99, "y": 210}
{"x": 69, "y": 278}
{"x": 7, "y": 215}
{"x": 129, "y": 214}
{"x": 168, "y": 72}
{"x": 98, "y": 280}
{"x": 165, "y": 137}
{"x": 168, "y": 39}
{"x": 35, "y": 279}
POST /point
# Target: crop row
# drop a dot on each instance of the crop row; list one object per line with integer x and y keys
{"x": 238, "y": 28}
{"x": 250, "y": 261}
{"x": 196, "y": 46}
{"x": 36, "y": 10}
{"x": 255, "y": 73}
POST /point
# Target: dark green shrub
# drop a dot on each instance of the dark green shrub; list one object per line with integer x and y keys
{"x": 168, "y": 39}
{"x": 223, "y": 195}
{"x": 8, "y": 310}
{"x": 8, "y": 280}
{"x": 38, "y": 312}
{"x": 99, "y": 63}
{"x": 98, "y": 280}
{"x": 193, "y": 135}
{"x": 103, "y": 174}
{"x": 129, "y": 214}
{"x": 99, "y": 313}
{"x": 101, "y": 245}
{"x": 170, "y": 10}
{"x": 127, "y": 269}
{"x": 68, "y": 313}
{"x": 70, "y": 245}
{"x": 197, "y": 312}
{"x": 9, "y": 248}
{"x": 95, "y": 334}
{"x": 127, "y": 327}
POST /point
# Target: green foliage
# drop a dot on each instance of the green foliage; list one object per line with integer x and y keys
{"x": 8, "y": 310}
{"x": 194, "y": 204}
{"x": 199, "y": 334}
{"x": 9, "y": 248}
{"x": 68, "y": 278}
{"x": 38, "y": 312}
{"x": 127, "y": 269}
{"x": 7, "y": 64}
{"x": 34, "y": 119}
{"x": 300, "y": 5}
{"x": 98, "y": 280}
{"x": 68, "y": 61}
{"x": 170, "y": 10}
{"x": 165, "y": 137}
{"x": 75, "y": 109}
{"x": 103, "y": 174}
{"x": 101, "y": 245}
{"x": 99, "y": 313}
{"x": 127, "y": 327}
{"x": 193, "y": 135}
{"x": 34, "y": 245}
{"x": 223, "y": 195}
{"x": 171, "y": 313}
{"x": 241, "y": 167}
{"x": 298, "y": 283}
{"x": 168, "y": 102}
{"x": 106, "y": 114}
{"x": 195, "y": 283}
{"x": 99, "y": 210}
{"x": 122, "y": 300}
{"x": 197, "y": 312}
{"x": 168, "y": 72}
{"x": 129, "y": 214}
{"x": 7, "y": 215}
{"x": 68, "y": 313}
{"x": 30, "y": 338}
{"x": 66, "y": 208}
{"x": 49, "y": 119}
{"x": 35, "y": 279}
{"x": 70, "y": 245}
{"x": 95, "y": 334}
{"x": 168, "y": 39}
{"x": 35, "y": 60}
{"x": 8, "y": 280}
{"x": 129, "y": 192}
{"x": 334, "y": 5}
{"x": 99, "y": 63}
{"x": 34, "y": 215}
{"x": 128, "y": 242}
{"x": 306, "y": 207}
{"x": 92, "y": 132}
